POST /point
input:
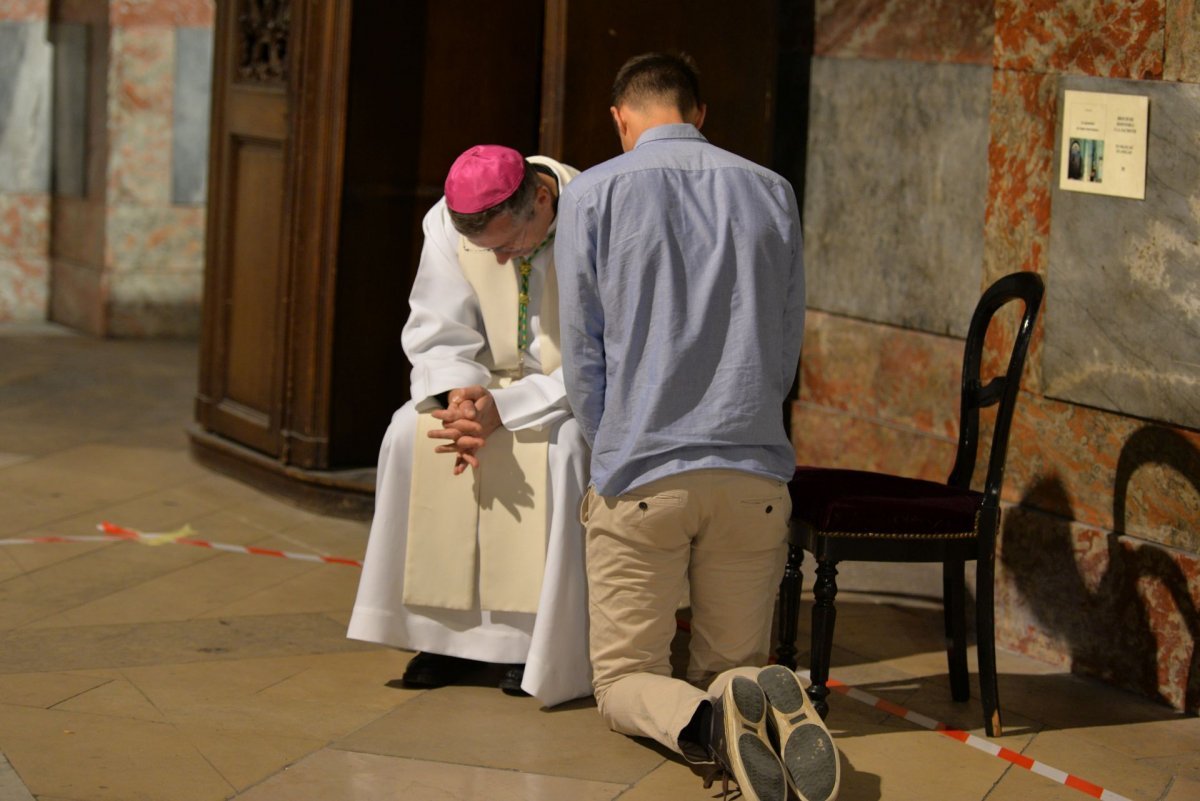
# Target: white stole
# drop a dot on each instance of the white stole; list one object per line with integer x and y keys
{"x": 478, "y": 540}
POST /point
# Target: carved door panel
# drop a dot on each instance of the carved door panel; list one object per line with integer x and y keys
{"x": 241, "y": 386}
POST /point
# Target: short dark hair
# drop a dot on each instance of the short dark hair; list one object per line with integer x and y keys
{"x": 519, "y": 204}
{"x": 665, "y": 77}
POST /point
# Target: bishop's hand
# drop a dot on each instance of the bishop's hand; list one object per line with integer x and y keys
{"x": 468, "y": 419}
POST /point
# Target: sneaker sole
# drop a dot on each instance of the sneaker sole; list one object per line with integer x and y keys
{"x": 809, "y": 756}
{"x": 757, "y": 769}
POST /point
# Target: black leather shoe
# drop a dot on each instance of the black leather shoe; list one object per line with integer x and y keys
{"x": 510, "y": 682}
{"x": 426, "y": 671}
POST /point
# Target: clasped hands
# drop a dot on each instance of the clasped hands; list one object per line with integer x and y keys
{"x": 469, "y": 418}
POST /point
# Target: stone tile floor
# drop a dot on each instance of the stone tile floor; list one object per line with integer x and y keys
{"x": 153, "y": 670}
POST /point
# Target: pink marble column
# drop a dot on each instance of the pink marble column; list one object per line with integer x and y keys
{"x": 132, "y": 261}
{"x": 24, "y": 213}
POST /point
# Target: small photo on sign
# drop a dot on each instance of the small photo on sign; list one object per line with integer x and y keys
{"x": 1085, "y": 160}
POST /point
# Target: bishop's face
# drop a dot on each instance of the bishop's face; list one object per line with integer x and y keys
{"x": 509, "y": 237}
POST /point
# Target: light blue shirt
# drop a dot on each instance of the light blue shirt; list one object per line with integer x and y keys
{"x": 681, "y": 288}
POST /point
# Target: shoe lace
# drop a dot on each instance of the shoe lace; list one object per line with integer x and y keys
{"x": 724, "y": 776}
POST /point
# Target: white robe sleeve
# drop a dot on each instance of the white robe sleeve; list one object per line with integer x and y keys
{"x": 533, "y": 402}
{"x": 443, "y": 338}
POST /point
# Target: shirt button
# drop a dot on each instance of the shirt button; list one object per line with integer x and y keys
{"x": 769, "y": 508}
{"x": 643, "y": 505}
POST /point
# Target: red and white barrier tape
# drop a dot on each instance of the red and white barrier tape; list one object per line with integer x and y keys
{"x": 182, "y": 537}
{"x": 53, "y": 538}
{"x": 979, "y": 743}
{"x": 123, "y": 533}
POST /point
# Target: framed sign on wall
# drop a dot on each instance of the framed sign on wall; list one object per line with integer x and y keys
{"x": 1104, "y": 144}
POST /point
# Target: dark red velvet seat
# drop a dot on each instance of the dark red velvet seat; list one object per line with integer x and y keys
{"x": 856, "y": 515}
{"x": 859, "y": 504}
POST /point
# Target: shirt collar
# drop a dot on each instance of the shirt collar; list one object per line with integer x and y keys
{"x": 675, "y": 130}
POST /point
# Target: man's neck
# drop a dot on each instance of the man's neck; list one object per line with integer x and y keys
{"x": 662, "y": 115}
{"x": 654, "y": 116}
{"x": 636, "y": 120}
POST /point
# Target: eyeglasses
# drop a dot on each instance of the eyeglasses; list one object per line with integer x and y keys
{"x": 508, "y": 248}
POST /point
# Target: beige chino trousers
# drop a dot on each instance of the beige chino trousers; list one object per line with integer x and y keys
{"x": 721, "y": 533}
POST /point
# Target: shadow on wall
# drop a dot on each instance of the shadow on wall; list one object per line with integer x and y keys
{"x": 1092, "y": 593}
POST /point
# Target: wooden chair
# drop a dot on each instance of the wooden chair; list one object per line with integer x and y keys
{"x": 856, "y": 515}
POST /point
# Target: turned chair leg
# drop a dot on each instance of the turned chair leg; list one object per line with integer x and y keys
{"x": 955, "y": 614}
{"x": 985, "y": 627}
{"x": 789, "y": 607}
{"x": 824, "y": 615}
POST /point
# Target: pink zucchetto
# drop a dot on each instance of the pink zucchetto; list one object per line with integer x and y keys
{"x": 482, "y": 177}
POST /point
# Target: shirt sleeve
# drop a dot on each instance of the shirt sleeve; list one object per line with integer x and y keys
{"x": 443, "y": 336}
{"x": 793, "y": 320}
{"x": 581, "y": 314}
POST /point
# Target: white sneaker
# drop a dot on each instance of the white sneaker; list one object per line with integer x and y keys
{"x": 809, "y": 757}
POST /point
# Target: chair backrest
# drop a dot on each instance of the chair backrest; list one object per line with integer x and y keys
{"x": 1002, "y": 389}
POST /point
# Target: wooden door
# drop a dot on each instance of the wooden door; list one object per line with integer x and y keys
{"x": 734, "y": 43}
{"x": 427, "y": 80}
{"x": 333, "y": 127}
{"x": 242, "y": 362}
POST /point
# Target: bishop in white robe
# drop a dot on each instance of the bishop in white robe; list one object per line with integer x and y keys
{"x": 486, "y": 563}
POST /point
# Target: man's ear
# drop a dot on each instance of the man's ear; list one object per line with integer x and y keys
{"x": 619, "y": 121}
{"x": 698, "y": 116}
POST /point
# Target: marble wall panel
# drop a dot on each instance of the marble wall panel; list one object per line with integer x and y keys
{"x": 23, "y": 10}
{"x": 1160, "y": 500}
{"x": 25, "y": 58}
{"x": 1017, "y": 221}
{"x": 1105, "y": 606}
{"x": 1112, "y": 40}
{"x": 908, "y": 30}
{"x": 1156, "y": 489}
{"x": 1182, "y": 59}
{"x": 23, "y": 283}
{"x": 1123, "y": 303}
{"x": 1117, "y": 473}
{"x": 176, "y": 13}
{"x": 1020, "y": 173}
{"x": 895, "y": 191}
{"x": 905, "y": 378}
{"x": 193, "y": 98}
{"x": 161, "y": 239}
{"x": 141, "y": 80}
{"x": 24, "y": 224}
{"x": 833, "y": 438}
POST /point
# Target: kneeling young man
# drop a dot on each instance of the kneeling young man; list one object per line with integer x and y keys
{"x": 682, "y": 288}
